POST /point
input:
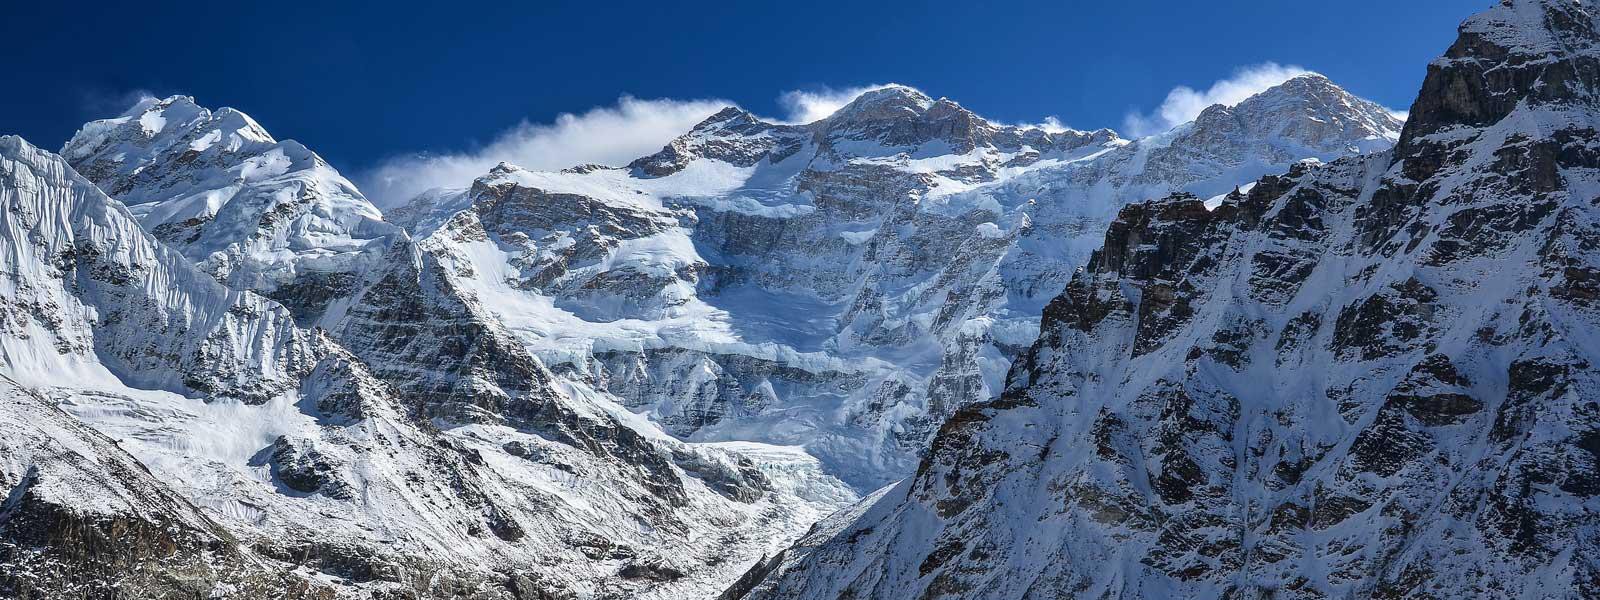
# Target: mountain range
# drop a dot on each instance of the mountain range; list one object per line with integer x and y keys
{"x": 1296, "y": 347}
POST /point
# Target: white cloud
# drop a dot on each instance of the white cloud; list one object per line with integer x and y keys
{"x": 610, "y": 135}
{"x": 809, "y": 106}
{"x": 101, "y": 104}
{"x": 1050, "y": 124}
{"x": 801, "y": 107}
{"x": 1183, "y": 103}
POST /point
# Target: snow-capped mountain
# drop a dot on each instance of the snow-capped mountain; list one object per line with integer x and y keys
{"x": 254, "y": 212}
{"x": 841, "y": 285}
{"x": 1371, "y": 378}
{"x": 603, "y": 382}
{"x": 278, "y": 459}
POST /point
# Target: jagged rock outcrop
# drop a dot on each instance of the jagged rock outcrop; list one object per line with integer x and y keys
{"x": 1372, "y": 378}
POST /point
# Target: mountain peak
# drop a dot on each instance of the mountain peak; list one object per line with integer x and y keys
{"x": 1302, "y": 87}
{"x": 732, "y": 135}
{"x": 1533, "y": 27}
{"x": 254, "y": 212}
{"x": 893, "y": 101}
{"x": 1305, "y": 111}
{"x": 1533, "y": 52}
{"x": 150, "y": 103}
{"x": 155, "y": 125}
{"x": 732, "y": 118}
{"x": 900, "y": 116}
{"x": 730, "y": 113}
{"x": 893, "y": 90}
{"x": 1308, "y": 82}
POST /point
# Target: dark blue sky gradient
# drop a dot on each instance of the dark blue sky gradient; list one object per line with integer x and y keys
{"x": 361, "y": 82}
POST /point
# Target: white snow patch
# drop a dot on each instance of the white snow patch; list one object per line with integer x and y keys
{"x": 152, "y": 122}
{"x": 858, "y": 237}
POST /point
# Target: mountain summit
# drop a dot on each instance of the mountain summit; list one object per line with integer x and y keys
{"x": 254, "y": 212}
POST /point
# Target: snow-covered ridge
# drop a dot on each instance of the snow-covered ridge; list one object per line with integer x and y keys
{"x": 86, "y": 286}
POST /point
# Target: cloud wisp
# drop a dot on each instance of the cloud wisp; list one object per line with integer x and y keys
{"x": 101, "y": 104}
{"x": 1050, "y": 124}
{"x": 1184, "y": 103}
{"x": 610, "y": 135}
{"x": 808, "y": 106}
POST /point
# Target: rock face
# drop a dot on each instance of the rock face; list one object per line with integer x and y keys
{"x": 1373, "y": 378}
{"x": 842, "y": 285}
{"x": 254, "y": 212}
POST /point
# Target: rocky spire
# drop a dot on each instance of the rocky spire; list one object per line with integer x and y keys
{"x": 1542, "y": 52}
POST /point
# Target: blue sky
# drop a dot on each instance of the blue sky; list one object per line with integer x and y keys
{"x": 362, "y": 84}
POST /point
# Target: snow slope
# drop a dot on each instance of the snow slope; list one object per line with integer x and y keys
{"x": 84, "y": 518}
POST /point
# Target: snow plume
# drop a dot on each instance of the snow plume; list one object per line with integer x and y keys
{"x": 610, "y": 135}
{"x": 1184, "y": 103}
{"x": 98, "y": 103}
{"x": 803, "y": 106}
{"x": 1050, "y": 124}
